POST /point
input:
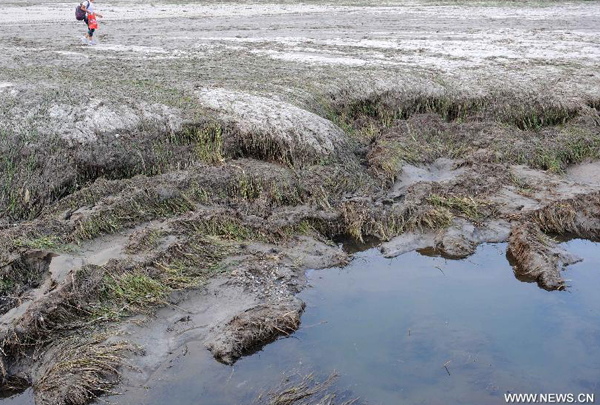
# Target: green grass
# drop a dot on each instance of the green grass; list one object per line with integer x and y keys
{"x": 247, "y": 188}
{"x": 571, "y": 146}
{"x": 466, "y": 205}
{"x": 208, "y": 142}
{"x": 226, "y": 228}
{"x": 135, "y": 290}
{"x": 125, "y": 289}
{"x": 139, "y": 208}
{"x": 6, "y": 285}
{"x": 184, "y": 266}
{"x": 52, "y": 243}
{"x": 527, "y": 112}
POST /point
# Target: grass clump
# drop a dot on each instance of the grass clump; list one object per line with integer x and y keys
{"x": 359, "y": 220}
{"x": 297, "y": 389}
{"x": 247, "y": 188}
{"x": 560, "y": 218}
{"x": 386, "y": 159}
{"x": 390, "y": 106}
{"x": 145, "y": 240}
{"x": 230, "y": 229}
{"x": 36, "y": 171}
{"x": 125, "y": 289}
{"x": 436, "y": 218}
{"x": 6, "y": 285}
{"x": 574, "y": 146}
{"x": 82, "y": 369}
{"x": 135, "y": 290}
{"x": 468, "y": 206}
{"x": 526, "y": 112}
{"x": 414, "y": 143}
{"x": 303, "y": 227}
{"x": 53, "y": 243}
{"x": 207, "y": 140}
{"x": 138, "y": 208}
{"x": 538, "y": 115}
{"x": 192, "y": 263}
{"x": 273, "y": 191}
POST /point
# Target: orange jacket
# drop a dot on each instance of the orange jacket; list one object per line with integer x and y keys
{"x": 92, "y": 23}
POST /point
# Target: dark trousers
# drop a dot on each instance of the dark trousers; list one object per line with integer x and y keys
{"x": 90, "y": 31}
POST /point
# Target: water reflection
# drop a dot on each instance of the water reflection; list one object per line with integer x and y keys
{"x": 418, "y": 329}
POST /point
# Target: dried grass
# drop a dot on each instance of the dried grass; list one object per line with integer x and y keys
{"x": 82, "y": 369}
{"x": 254, "y": 328}
{"x": 360, "y": 219}
{"x": 297, "y": 389}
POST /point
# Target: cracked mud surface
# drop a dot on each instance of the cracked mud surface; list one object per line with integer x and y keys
{"x": 219, "y": 148}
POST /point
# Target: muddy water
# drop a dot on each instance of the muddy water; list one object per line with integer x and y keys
{"x": 24, "y": 398}
{"x": 388, "y": 327}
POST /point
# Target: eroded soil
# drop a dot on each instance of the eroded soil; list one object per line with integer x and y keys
{"x": 175, "y": 181}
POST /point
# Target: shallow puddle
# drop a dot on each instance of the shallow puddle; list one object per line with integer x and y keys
{"x": 24, "y": 398}
{"x": 417, "y": 329}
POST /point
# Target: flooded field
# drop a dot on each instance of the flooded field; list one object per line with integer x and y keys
{"x": 416, "y": 329}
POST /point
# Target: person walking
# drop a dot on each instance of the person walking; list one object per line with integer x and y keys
{"x": 89, "y": 16}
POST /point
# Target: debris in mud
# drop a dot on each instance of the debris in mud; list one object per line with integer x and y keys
{"x": 297, "y": 389}
{"x": 13, "y": 385}
{"x": 537, "y": 257}
{"x": 248, "y": 332}
{"x": 20, "y": 273}
{"x": 77, "y": 370}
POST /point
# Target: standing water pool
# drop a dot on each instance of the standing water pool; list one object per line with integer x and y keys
{"x": 417, "y": 330}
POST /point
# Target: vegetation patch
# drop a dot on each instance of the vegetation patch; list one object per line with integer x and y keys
{"x": 526, "y": 112}
{"x": 213, "y": 208}
{"x": 135, "y": 291}
{"x": 207, "y": 139}
{"x": 51, "y": 243}
{"x": 140, "y": 207}
{"x": 254, "y": 328}
{"x": 83, "y": 367}
{"x": 360, "y": 220}
{"x": 144, "y": 240}
{"x": 228, "y": 228}
{"x": 305, "y": 389}
{"x": 468, "y": 206}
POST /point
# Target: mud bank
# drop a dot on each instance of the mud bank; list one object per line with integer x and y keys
{"x": 179, "y": 203}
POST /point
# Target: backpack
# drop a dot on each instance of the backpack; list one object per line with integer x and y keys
{"x": 79, "y": 13}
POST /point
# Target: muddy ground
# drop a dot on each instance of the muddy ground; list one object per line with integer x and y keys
{"x": 174, "y": 181}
